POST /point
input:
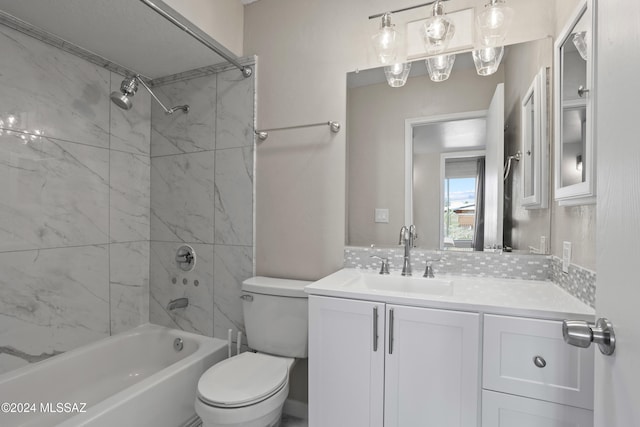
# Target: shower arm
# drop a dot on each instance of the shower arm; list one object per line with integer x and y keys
{"x": 171, "y": 110}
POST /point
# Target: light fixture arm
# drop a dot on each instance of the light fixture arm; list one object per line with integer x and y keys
{"x": 404, "y": 9}
{"x": 167, "y": 111}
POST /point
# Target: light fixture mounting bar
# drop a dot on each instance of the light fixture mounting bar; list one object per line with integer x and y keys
{"x": 378, "y": 15}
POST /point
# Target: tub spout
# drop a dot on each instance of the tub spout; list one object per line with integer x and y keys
{"x": 178, "y": 303}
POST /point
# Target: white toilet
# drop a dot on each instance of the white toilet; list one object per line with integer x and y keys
{"x": 249, "y": 390}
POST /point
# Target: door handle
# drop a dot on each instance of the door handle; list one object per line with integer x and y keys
{"x": 581, "y": 334}
{"x": 391, "y": 331}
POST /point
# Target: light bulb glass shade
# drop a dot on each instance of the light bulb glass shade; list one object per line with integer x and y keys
{"x": 385, "y": 41}
{"x": 397, "y": 74}
{"x": 438, "y": 31}
{"x": 487, "y": 60}
{"x": 439, "y": 67}
{"x": 494, "y": 22}
{"x": 580, "y": 42}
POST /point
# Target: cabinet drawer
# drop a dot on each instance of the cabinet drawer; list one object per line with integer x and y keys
{"x": 510, "y": 346}
{"x": 505, "y": 410}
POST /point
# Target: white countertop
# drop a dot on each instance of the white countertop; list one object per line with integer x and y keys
{"x": 516, "y": 297}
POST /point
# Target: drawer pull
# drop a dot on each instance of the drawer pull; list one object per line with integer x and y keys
{"x": 539, "y": 361}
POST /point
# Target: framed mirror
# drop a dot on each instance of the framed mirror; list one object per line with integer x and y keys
{"x": 535, "y": 144}
{"x": 574, "y": 94}
{"x": 433, "y": 117}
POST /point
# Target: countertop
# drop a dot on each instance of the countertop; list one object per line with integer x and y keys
{"x": 515, "y": 297}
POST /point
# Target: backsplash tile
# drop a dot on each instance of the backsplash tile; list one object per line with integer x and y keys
{"x": 579, "y": 282}
{"x": 510, "y": 266}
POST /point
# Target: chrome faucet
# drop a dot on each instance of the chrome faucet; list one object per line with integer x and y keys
{"x": 178, "y": 303}
{"x": 408, "y": 235}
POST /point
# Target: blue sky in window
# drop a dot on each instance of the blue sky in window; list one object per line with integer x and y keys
{"x": 462, "y": 191}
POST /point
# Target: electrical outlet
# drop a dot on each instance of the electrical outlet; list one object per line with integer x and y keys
{"x": 382, "y": 215}
{"x": 566, "y": 256}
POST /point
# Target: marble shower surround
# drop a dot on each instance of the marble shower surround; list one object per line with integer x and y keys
{"x": 202, "y": 194}
{"x": 74, "y": 210}
{"x": 579, "y": 282}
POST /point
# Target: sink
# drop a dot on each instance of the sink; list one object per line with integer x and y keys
{"x": 401, "y": 284}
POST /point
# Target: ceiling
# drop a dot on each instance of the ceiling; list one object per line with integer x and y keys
{"x": 455, "y": 135}
{"x": 126, "y": 32}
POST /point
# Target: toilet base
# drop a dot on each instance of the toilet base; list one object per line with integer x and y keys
{"x": 264, "y": 414}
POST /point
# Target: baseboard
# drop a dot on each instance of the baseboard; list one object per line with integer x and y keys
{"x": 296, "y": 409}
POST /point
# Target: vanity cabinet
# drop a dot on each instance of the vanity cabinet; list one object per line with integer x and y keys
{"x": 531, "y": 377}
{"x": 375, "y": 364}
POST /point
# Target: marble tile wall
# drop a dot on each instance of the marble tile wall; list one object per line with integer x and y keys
{"x": 74, "y": 204}
{"x": 202, "y": 168}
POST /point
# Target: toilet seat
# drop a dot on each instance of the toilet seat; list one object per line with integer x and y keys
{"x": 243, "y": 380}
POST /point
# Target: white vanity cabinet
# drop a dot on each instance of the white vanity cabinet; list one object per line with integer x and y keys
{"x": 531, "y": 377}
{"x": 421, "y": 368}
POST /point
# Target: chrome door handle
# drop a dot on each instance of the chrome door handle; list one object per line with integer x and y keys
{"x": 581, "y": 334}
{"x": 582, "y": 91}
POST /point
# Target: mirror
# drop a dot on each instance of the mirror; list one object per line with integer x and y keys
{"x": 379, "y": 121}
{"x": 575, "y": 163}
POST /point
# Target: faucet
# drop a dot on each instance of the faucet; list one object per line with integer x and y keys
{"x": 178, "y": 303}
{"x": 428, "y": 272}
{"x": 407, "y": 237}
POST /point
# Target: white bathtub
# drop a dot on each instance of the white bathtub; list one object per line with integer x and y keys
{"x": 136, "y": 378}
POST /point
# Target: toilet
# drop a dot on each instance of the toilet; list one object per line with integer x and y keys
{"x": 250, "y": 389}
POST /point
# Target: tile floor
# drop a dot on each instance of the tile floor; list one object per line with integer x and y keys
{"x": 290, "y": 421}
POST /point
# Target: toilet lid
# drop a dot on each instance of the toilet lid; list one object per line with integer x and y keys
{"x": 243, "y": 380}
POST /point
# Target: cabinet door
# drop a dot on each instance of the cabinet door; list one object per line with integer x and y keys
{"x": 505, "y": 410}
{"x": 346, "y": 368}
{"x": 431, "y": 368}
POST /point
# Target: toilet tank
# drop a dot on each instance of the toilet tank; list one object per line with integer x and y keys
{"x": 276, "y": 315}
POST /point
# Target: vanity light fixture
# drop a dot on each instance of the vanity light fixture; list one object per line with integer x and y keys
{"x": 493, "y": 23}
{"x": 438, "y": 30}
{"x": 487, "y": 59}
{"x": 385, "y": 41}
{"x": 397, "y": 74}
{"x": 439, "y": 67}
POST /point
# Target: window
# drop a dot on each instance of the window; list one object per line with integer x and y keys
{"x": 459, "y": 216}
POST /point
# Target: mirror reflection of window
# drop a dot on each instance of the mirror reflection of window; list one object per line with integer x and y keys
{"x": 460, "y": 201}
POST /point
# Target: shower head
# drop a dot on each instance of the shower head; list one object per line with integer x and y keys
{"x": 129, "y": 87}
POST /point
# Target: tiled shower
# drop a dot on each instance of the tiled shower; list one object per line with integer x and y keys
{"x": 96, "y": 200}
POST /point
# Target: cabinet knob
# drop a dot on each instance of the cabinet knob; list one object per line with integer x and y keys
{"x": 539, "y": 361}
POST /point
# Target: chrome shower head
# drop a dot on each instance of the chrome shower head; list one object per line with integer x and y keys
{"x": 128, "y": 88}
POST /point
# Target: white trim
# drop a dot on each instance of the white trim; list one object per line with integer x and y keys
{"x": 538, "y": 171}
{"x": 409, "y": 124}
{"x": 586, "y": 190}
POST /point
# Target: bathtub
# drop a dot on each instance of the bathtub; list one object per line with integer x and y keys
{"x": 136, "y": 378}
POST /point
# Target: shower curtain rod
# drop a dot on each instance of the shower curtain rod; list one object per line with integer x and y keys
{"x": 246, "y": 71}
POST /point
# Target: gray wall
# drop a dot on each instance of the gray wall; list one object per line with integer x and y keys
{"x": 74, "y": 216}
{"x": 202, "y": 195}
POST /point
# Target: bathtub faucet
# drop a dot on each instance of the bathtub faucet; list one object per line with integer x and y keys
{"x": 178, "y": 303}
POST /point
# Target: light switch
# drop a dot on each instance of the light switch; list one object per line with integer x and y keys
{"x": 382, "y": 215}
{"x": 566, "y": 256}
